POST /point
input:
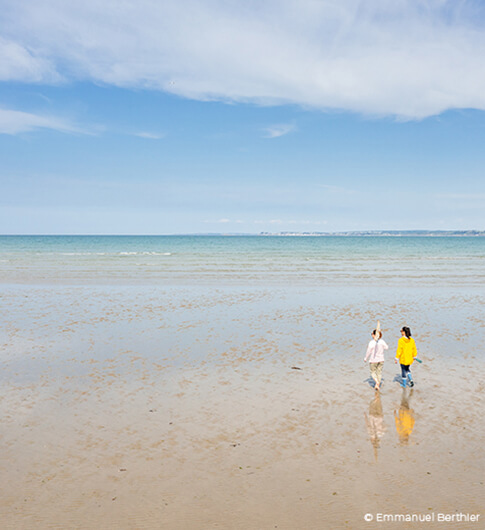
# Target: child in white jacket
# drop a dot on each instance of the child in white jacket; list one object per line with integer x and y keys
{"x": 375, "y": 356}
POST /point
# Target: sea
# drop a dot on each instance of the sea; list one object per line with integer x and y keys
{"x": 243, "y": 260}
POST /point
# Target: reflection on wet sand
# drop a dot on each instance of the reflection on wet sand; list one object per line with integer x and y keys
{"x": 178, "y": 408}
{"x": 404, "y": 417}
{"x": 375, "y": 422}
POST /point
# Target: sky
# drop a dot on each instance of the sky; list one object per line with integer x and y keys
{"x": 222, "y": 116}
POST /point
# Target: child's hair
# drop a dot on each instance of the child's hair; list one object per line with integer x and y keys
{"x": 375, "y": 333}
{"x": 407, "y": 331}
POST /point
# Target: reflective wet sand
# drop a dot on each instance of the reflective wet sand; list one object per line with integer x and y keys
{"x": 239, "y": 408}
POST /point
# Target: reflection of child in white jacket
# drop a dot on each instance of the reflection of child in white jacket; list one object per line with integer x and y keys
{"x": 375, "y": 355}
{"x": 375, "y": 422}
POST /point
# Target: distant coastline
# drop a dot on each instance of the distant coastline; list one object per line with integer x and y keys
{"x": 355, "y": 233}
{"x": 386, "y": 233}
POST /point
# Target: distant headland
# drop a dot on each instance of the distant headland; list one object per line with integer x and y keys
{"x": 386, "y": 233}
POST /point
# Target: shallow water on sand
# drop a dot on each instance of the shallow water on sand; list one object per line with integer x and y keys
{"x": 132, "y": 406}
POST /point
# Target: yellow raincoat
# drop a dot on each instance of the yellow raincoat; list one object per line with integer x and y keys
{"x": 406, "y": 350}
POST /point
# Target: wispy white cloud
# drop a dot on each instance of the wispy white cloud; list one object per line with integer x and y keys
{"x": 224, "y": 220}
{"x": 404, "y": 58}
{"x": 18, "y": 63}
{"x": 275, "y": 131}
{"x": 150, "y": 136}
{"x": 16, "y": 122}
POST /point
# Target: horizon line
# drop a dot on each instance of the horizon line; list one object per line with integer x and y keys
{"x": 287, "y": 233}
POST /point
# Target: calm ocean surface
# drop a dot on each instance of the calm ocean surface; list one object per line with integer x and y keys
{"x": 167, "y": 260}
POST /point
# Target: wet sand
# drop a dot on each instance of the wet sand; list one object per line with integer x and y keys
{"x": 235, "y": 408}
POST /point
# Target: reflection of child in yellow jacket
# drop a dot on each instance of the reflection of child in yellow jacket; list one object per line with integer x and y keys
{"x": 405, "y": 355}
{"x": 404, "y": 419}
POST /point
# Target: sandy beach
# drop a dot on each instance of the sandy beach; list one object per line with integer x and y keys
{"x": 241, "y": 408}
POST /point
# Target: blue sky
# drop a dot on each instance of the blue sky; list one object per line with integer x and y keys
{"x": 212, "y": 116}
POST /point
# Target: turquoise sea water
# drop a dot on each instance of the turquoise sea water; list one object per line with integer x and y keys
{"x": 166, "y": 260}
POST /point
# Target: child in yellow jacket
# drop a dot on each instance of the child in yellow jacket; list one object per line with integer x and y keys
{"x": 406, "y": 353}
